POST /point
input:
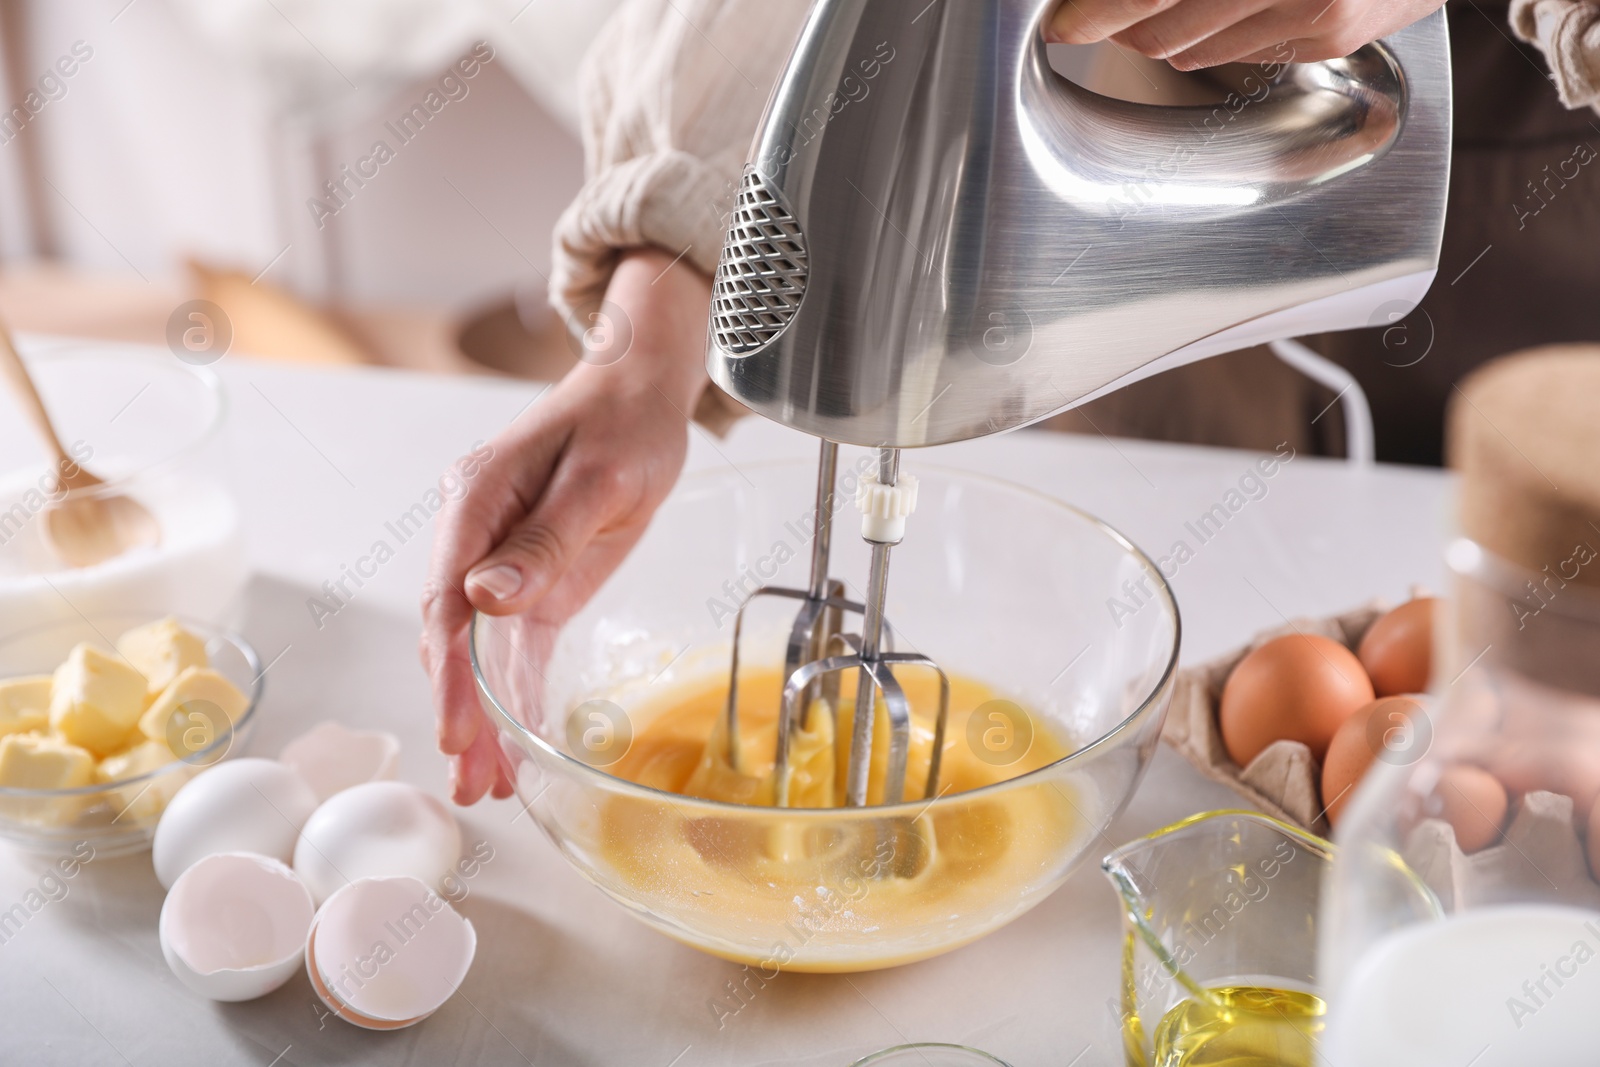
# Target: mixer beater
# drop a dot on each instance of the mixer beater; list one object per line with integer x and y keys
{"x": 820, "y": 651}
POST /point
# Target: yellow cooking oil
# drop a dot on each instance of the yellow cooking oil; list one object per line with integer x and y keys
{"x": 1241, "y": 1026}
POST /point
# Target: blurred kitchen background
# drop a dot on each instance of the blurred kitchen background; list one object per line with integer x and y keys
{"x": 157, "y": 151}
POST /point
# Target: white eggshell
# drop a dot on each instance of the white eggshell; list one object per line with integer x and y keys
{"x": 242, "y": 805}
{"x": 234, "y": 926}
{"x": 377, "y": 830}
{"x": 333, "y": 757}
{"x": 386, "y": 953}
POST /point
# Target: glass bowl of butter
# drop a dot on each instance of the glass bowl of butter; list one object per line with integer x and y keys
{"x": 104, "y": 718}
{"x": 1060, "y": 639}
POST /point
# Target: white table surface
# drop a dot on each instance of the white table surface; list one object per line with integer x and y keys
{"x": 563, "y": 977}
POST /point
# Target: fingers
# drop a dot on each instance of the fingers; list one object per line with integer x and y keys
{"x": 1186, "y": 25}
{"x": 1303, "y": 31}
{"x": 1282, "y": 52}
{"x": 464, "y": 732}
{"x": 459, "y": 721}
{"x": 1087, "y": 21}
{"x": 1191, "y": 34}
{"x": 1260, "y": 32}
{"x": 522, "y": 463}
{"x": 537, "y": 551}
{"x": 478, "y": 771}
{"x": 446, "y": 615}
{"x": 467, "y": 530}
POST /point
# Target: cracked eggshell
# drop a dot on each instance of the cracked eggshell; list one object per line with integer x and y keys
{"x": 333, "y": 757}
{"x": 377, "y": 830}
{"x": 386, "y": 953}
{"x": 242, "y": 805}
{"x": 234, "y": 926}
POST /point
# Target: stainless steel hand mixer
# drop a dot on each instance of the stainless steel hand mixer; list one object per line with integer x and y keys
{"x": 937, "y": 238}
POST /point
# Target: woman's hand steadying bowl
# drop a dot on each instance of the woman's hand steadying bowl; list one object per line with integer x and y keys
{"x": 570, "y": 487}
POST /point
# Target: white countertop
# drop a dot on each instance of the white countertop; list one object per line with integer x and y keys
{"x": 563, "y": 977}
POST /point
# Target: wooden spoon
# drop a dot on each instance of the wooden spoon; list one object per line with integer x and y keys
{"x": 82, "y": 527}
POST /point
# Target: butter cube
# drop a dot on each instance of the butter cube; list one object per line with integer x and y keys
{"x": 141, "y": 802}
{"x": 31, "y": 761}
{"x": 24, "y": 704}
{"x": 161, "y": 651}
{"x": 95, "y": 700}
{"x": 28, "y": 761}
{"x": 186, "y": 715}
{"x": 142, "y": 758}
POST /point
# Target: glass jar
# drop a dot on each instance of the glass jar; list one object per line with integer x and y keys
{"x": 1500, "y": 818}
{"x": 1496, "y": 803}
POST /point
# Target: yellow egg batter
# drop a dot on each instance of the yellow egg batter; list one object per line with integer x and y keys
{"x": 849, "y": 889}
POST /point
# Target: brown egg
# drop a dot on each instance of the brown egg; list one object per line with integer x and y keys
{"x": 1594, "y": 841}
{"x": 1547, "y": 740}
{"x": 1586, "y": 791}
{"x": 1382, "y": 723}
{"x": 1397, "y": 650}
{"x": 1473, "y": 802}
{"x": 1297, "y": 688}
{"x": 1575, "y": 775}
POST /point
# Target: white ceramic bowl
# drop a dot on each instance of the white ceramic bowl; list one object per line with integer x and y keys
{"x": 149, "y": 426}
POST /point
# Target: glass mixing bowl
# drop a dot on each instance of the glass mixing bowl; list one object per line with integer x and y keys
{"x": 933, "y": 1054}
{"x": 148, "y": 425}
{"x": 113, "y": 818}
{"x": 1051, "y": 608}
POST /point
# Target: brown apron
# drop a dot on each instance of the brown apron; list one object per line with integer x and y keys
{"x": 1520, "y": 266}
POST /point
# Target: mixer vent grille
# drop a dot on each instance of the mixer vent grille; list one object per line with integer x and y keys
{"x": 762, "y": 276}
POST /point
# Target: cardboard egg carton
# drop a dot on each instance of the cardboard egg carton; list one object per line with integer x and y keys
{"x": 1540, "y": 853}
{"x": 1285, "y": 779}
{"x": 1540, "y": 848}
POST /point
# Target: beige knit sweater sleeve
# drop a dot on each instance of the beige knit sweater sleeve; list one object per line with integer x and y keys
{"x": 672, "y": 92}
{"x": 1568, "y": 33}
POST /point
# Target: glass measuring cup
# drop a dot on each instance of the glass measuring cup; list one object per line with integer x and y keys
{"x": 1220, "y": 951}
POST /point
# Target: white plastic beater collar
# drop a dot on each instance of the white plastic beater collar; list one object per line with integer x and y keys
{"x": 884, "y": 508}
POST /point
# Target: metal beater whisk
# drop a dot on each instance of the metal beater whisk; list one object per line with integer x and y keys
{"x": 820, "y": 650}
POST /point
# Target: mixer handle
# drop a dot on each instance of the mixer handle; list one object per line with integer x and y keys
{"x": 1290, "y": 124}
